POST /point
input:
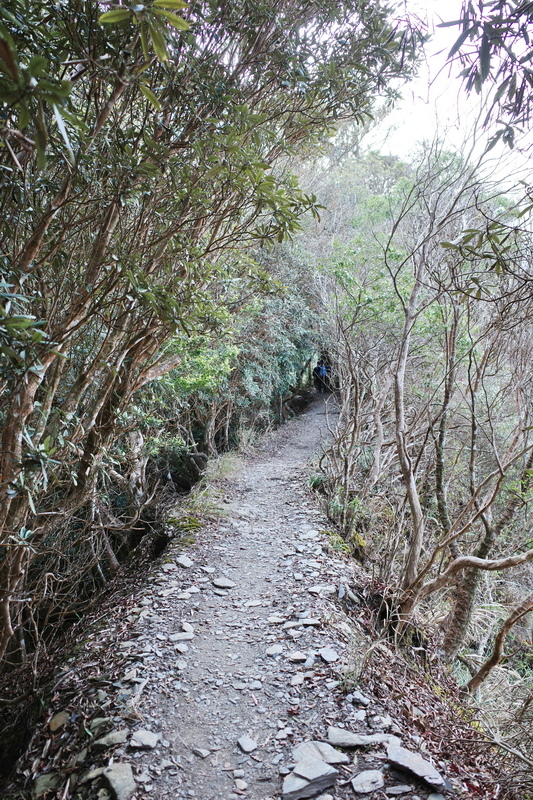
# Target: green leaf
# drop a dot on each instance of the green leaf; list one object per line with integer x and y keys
{"x": 116, "y": 15}
{"x": 24, "y": 116}
{"x": 484, "y": 56}
{"x": 63, "y": 131}
{"x": 169, "y": 4}
{"x": 459, "y": 43}
{"x": 158, "y": 41}
{"x": 37, "y": 66}
{"x": 174, "y": 20}
{"x": 150, "y": 96}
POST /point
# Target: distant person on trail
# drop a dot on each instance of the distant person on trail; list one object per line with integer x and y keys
{"x": 320, "y": 377}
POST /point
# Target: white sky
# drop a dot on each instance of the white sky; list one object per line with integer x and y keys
{"x": 434, "y": 100}
{"x": 435, "y": 103}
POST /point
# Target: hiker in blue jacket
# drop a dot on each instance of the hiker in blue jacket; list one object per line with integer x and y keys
{"x": 320, "y": 377}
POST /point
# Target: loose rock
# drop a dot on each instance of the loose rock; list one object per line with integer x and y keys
{"x": 184, "y": 561}
{"x": 328, "y": 654}
{"x": 112, "y": 738}
{"x": 297, "y": 657}
{"x": 45, "y": 783}
{"x": 413, "y": 762}
{"x": 201, "y": 752}
{"x": 144, "y": 740}
{"x": 342, "y": 738}
{"x": 223, "y": 583}
{"x": 120, "y": 778}
{"x": 368, "y": 781}
{"x": 320, "y": 750}
{"x": 308, "y": 778}
{"x": 246, "y": 744}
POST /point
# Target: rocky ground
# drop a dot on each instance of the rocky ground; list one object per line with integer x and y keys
{"x": 233, "y": 671}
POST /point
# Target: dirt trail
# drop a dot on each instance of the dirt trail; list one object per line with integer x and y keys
{"x": 226, "y": 685}
{"x": 246, "y": 637}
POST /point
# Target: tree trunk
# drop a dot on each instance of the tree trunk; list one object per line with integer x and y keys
{"x": 518, "y": 612}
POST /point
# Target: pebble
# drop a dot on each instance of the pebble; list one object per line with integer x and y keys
{"x": 223, "y": 583}
{"x": 184, "y": 561}
{"x": 200, "y": 752}
{"x": 112, "y": 738}
{"x": 145, "y": 740}
{"x": 246, "y": 744}
{"x": 395, "y": 791}
{"x": 328, "y": 654}
{"x": 185, "y": 636}
{"x": 368, "y": 781}
{"x": 275, "y": 650}
{"x": 357, "y": 697}
{"x": 297, "y": 657}
{"x": 240, "y": 784}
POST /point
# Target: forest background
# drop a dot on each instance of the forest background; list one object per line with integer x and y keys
{"x": 189, "y": 220}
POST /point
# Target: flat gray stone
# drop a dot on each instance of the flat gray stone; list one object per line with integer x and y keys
{"x": 275, "y": 650}
{"x": 223, "y": 583}
{"x": 357, "y": 697}
{"x": 201, "y": 752}
{"x": 308, "y": 778}
{"x": 185, "y": 636}
{"x": 45, "y": 783}
{"x": 314, "y": 769}
{"x": 246, "y": 744}
{"x": 112, "y": 738}
{"x": 396, "y": 791}
{"x": 120, "y": 779}
{"x": 342, "y": 738}
{"x": 144, "y": 740}
{"x": 297, "y": 657}
{"x": 328, "y": 654}
{"x": 322, "y": 750}
{"x": 184, "y": 561}
{"x": 413, "y": 762}
{"x": 368, "y": 781}
{"x": 436, "y": 796}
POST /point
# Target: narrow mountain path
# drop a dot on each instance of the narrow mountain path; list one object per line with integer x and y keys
{"x": 236, "y": 650}
{"x": 257, "y": 659}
